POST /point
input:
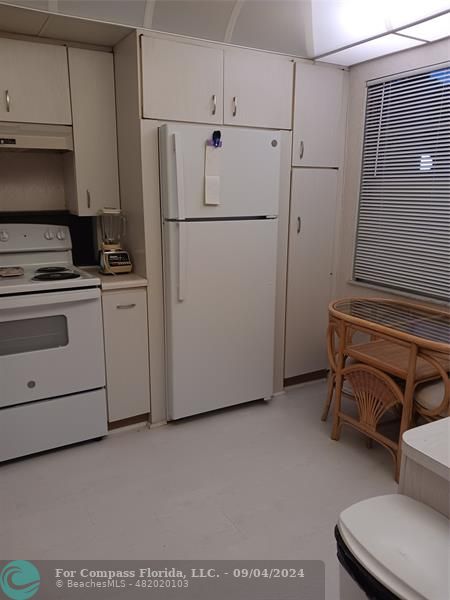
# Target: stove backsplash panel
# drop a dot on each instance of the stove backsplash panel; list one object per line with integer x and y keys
{"x": 82, "y": 231}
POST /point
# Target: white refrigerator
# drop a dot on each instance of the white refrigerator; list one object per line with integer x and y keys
{"x": 219, "y": 208}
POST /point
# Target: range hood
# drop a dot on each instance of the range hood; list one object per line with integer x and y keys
{"x": 31, "y": 136}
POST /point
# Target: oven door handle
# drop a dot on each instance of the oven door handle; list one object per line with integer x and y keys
{"x": 47, "y": 299}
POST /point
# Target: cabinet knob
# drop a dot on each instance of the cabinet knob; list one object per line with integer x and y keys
{"x": 88, "y": 197}
{"x": 234, "y": 106}
{"x": 299, "y": 225}
{"x": 302, "y": 149}
{"x": 122, "y": 306}
{"x": 8, "y": 101}
{"x": 214, "y": 104}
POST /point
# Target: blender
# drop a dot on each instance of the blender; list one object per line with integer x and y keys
{"x": 113, "y": 258}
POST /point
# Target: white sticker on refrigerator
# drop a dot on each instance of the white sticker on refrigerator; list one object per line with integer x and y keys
{"x": 212, "y": 175}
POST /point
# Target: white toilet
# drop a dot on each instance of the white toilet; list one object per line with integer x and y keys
{"x": 393, "y": 547}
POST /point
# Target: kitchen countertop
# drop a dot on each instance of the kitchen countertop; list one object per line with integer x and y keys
{"x": 429, "y": 445}
{"x": 425, "y": 471}
{"x": 117, "y": 282}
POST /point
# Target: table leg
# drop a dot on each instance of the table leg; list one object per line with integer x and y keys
{"x": 342, "y": 332}
{"x": 408, "y": 401}
{"x": 330, "y": 391}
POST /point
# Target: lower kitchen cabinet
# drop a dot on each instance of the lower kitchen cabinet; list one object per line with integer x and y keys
{"x": 126, "y": 352}
{"x": 310, "y": 269}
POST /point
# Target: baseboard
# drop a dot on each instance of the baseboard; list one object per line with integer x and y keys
{"x": 305, "y": 377}
{"x": 136, "y": 420}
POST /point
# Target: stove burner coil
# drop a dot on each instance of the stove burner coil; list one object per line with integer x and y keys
{"x": 56, "y": 276}
{"x": 51, "y": 269}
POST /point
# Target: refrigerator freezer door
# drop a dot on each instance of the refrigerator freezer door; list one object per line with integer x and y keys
{"x": 248, "y": 163}
{"x": 220, "y": 335}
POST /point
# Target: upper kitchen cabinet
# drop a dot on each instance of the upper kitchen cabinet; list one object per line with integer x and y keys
{"x": 34, "y": 83}
{"x": 257, "y": 89}
{"x": 181, "y": 82}
{"x": 93, "y": 168}
{"x": 320, "y": 108}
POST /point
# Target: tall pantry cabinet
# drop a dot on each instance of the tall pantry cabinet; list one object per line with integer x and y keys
{"x": 317, "y": 156}
{"x": 311, "y": 243}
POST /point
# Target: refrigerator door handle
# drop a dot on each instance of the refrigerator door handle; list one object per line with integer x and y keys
{"x": 182, "y": 258}
{"x": 179, "y": 175}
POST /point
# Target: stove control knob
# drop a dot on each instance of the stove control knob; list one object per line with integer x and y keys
{"x": 60, "y": 235}
{"x": 49, "y": 235}
{"x": 4, "y": 236}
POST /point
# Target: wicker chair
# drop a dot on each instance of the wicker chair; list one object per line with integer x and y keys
{"x": 432, "y": 398}
{"x": 332, "y": 345}
{"x": 375, "y": 394}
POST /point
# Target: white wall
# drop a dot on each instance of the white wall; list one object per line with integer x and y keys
{"x": 31, "y": 181}
{"x": 381, "y": 67}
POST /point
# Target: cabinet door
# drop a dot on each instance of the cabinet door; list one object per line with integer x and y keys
{"x": 310, "y": 263}
{"x": 319, "y": 116}
{"x": 257, "y": 89}
{"x": 96, "y": 179}
{"x": 126, "y": 351}
{"x": 181, "y": 82}
{"x": 34, "y": 83}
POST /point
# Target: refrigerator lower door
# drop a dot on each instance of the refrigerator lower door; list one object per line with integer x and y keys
{"x": 220, "y": 311}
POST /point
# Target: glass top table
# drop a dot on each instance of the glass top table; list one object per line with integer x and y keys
{"x": 428, "y": 327}
{"x": 403, "y": 346}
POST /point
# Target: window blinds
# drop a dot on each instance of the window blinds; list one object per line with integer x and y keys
{"x": 403, "y": 233}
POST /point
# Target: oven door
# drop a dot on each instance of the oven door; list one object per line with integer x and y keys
{"x": 51, "y": 344}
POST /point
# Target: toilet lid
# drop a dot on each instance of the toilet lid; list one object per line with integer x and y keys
{"x": 403, "y": 543}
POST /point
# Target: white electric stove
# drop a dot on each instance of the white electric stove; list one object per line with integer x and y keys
{"x": 46, "y": 277}
{"x": 44, "y": 254}
{"x": 51, "y": 343}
